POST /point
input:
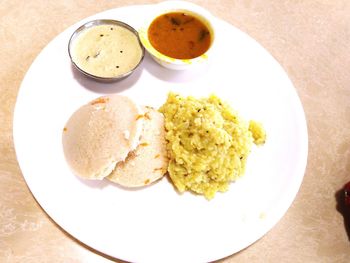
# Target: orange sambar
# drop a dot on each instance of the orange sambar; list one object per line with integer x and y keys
{"x": 179, "y": 35}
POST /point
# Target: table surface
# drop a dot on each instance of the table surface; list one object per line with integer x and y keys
{"x": 310, "y": 39}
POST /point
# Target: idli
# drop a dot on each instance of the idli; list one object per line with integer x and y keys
{"x": 100, "y": 134}
{"x": 149, "y": 161}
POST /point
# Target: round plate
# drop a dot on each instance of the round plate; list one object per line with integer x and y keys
{"x": 156, "y": 224}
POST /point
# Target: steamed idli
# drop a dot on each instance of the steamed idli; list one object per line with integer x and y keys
{"x": 100, "y": 134}
{"x": 149, "y": 161}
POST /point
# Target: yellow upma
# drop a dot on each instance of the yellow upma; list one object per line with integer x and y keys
{"x": 208, "y": 143}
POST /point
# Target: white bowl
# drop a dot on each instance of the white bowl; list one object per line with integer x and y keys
{"x": 177, "y": 6}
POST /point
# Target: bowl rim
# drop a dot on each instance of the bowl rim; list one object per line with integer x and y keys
{"x": 199, "y": 12}
{"x": 98, "y": 22}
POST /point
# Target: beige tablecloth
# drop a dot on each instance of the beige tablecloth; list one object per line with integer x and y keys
{"x": 311, "y": 40}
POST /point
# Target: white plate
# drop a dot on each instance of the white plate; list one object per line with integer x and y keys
{"x": 156, "y": 224}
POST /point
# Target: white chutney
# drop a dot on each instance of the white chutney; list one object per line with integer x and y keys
{"x": 106, "y": 51}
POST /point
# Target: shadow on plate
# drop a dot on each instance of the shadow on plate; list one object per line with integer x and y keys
{"x": 107, "y": 87}
{"x": 134, "y": 189}
{"x": 100, "y": 184}
{"x": 174, "y": 76}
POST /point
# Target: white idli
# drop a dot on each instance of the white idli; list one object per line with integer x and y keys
{"x": 100, "y": 134}
{"x": 149, "y": 161}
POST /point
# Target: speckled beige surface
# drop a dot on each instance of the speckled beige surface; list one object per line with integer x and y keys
{"x": 310, "y": 38}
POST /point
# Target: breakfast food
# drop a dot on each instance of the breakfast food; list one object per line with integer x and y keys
{"x": 111, "y": 137}
{"x": 107, "y": 50}
{"x": 148, "y": 162}
{"x": 180, "y": 35}
{"x": 208, "y": 143}
{"x": 202, "y": 143}
{"x": 258, "y": 132}
{"x": 100, "y": 134}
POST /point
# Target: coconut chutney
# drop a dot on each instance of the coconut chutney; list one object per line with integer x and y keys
{"x": 106, "y": 50}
